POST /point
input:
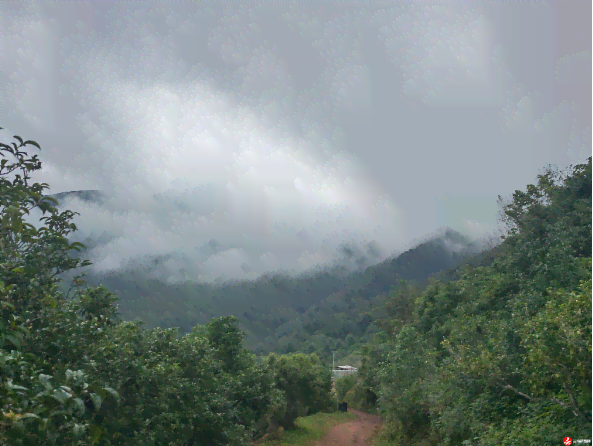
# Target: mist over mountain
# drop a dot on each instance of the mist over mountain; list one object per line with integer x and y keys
{"x": 172, "y": 266}
{"x": 269, "y": 305}
{"x": 89, "y": 196}
{"x": 133, "y": 236}
{"x": 327, "y": 179}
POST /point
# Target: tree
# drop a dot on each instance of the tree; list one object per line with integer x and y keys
{"x": 31, "y": 258}
{"x": 550, "y": 228}
{"x": 500, "y": 355}
{"x": 72, "y": 373}
{"x": 226, "y": 337}
{"x": 42, "y": 399}
{"x": 344, "y": 385}
{"x": 558, "y": 342}
{"x": 305, "y": 384}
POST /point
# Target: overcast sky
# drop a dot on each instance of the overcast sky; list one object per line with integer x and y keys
{"x": 245, "y": 138}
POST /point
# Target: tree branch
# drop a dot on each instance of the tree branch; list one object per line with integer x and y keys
{"x": 569, "y": 392}
{"x": 577, "y": 413}
{"x": 573, "y": 400}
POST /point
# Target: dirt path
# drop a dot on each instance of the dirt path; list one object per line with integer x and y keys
{"x": 352, "y": 433}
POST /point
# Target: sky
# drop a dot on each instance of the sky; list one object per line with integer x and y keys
{"x": 234, "y": 139}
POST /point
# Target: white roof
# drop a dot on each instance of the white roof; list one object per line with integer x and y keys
{"x": 346, "y": 367}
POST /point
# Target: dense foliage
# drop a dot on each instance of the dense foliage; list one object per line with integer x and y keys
{"x": 344, "y": 385}
{"x": 305, "y": 385}
{"x": 494, "y": 352}
{"x": 501, "y": 354}
{"x": 278, "y": 311}
{"x": 73, "y": 373}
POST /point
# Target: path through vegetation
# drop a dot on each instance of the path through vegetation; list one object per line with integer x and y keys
{"x": 353, "y": 433}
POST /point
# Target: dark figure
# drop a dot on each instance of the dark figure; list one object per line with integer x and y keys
{"x": 343, "y": 407}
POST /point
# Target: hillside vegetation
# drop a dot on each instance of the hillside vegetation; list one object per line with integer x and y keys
{"x": 496, "y": 351}
{"x": 270, "y": 307}
{"x": 73, "y": 373}
{"x": 500, "y": 354}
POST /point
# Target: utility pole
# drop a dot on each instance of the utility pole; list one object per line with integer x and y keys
{"x": 333, "y": 362}
{"x": 333, "y": 377}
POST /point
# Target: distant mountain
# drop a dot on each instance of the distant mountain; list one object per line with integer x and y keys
{"x": 269, "y": 306}
{"x": 440, "y": 252}
{"x": 92, "y": 196}
{"x": 352, "y": 309}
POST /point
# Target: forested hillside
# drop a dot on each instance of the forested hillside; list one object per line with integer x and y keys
{"x": 493, "y": 351}
{"x": 271, "y": 306}
{"x": 73, "y": 373}
{"x": 344, "y": 321}
{"x": 501, "y": 354}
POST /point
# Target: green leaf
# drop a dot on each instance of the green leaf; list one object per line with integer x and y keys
{"x": 33, "y": 143}
{"x": 19, "y": 138}
{"x": 61, "y": 395}
{"x": 96, "y": 400}
{"x": 30, "y": 415}
{"x": 95, "y": 432}
{"x": 23, "y": 329}
{"x": 113, "y": 392}
{"x": 78, "y": 430}
{"x": 30, "y": 227}
{"x": 79, "y": 405}
{"x": 77, "y": 375}
{"x": 77, "y": 246}
{"x": 6, "y": 305}
{"x": 11, "y": 386}
{"x": 58, "y": 412}
{"x": 14, "y": 341}
{"x": 45, "y": 380}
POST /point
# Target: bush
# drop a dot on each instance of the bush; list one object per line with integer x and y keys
{"x": 356, "y": 398}
{"x": 72, "y": 373}
{"x": 344, "y": 384}
{"x": 502, "y": 354}
{"x": 305, "y": 384}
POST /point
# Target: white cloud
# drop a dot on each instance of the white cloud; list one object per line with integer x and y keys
{"x": 182, "y": 164}
{"x": 574, "y": 69}
{"x": 560, "y": 135}
{"x": 443, "y": 53}
{"x": 215, "y": 158}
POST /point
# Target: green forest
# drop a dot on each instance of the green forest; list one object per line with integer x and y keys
{"x": 490, "y": 348}
{"x": 275, "y": 307}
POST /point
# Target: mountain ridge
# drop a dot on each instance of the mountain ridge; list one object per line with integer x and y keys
{"x": 266, "y": 304}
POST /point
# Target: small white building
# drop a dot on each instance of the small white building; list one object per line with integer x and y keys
{"x": 343, "y": 370}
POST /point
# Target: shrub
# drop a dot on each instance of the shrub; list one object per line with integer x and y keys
{"x": 344, "y": 384}
{"x": 305, "y": 384}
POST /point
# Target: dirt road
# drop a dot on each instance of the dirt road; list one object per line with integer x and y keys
{"x": 352, "y": 433}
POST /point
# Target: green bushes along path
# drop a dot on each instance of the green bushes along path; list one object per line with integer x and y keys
{"x": 497, "y": 352}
